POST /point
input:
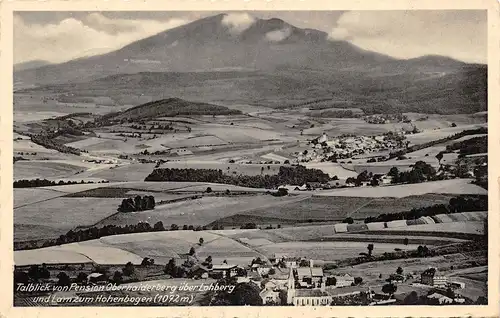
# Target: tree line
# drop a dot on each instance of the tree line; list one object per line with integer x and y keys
{"x": 35, "y": 183}
{"x": 79, "y": 235}
{"x": 139, "y": 203}
{"x": 461, "y": 203}
{"x": 286, "y": 175}
{"x": 420, "y": 172}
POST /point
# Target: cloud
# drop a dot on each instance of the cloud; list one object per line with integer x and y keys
{"x": 238, "y": 22}
{"x": 73, "y": 38}
{"x": 278, "y": 35}
{"x": 407, "y": 34}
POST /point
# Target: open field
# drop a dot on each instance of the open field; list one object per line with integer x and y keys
{"x": 395, "y": 239}
{"x": 453, "y": 186}
{"x": 59, "y": 215}
{"x": 329, "y": 251}
{"x": 316, "y": 208}
{"x": 28, "y": 196}
{"x": 336, "y": 208}
{"x": 120, "y": 249}
{"x": 389, "y": 205}
{"x": 200, "y": 211}
{"x": 128, "y": 172}
{"x": 430, "y": 135}
{"x": 333, "y": 169}
{"x": 44, "y": 169}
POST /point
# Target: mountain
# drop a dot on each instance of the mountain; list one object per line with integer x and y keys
{"x": 208, "y": 44}
{"x": 29, "y": 65}
{"x": 271, "y": 63}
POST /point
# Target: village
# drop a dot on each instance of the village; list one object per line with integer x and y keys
{"x": 347, "y": 146}
{"x": 281, "y": 280}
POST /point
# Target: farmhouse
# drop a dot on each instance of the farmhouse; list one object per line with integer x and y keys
{"x": 181, "y": 152}
{"x": 344, "y": 280}
{"x": 269, "y": 296}
{"x": 289, "y": 261}
{"x": 227, "y": 270}
{"x": 97, "y": 278}
{"x": 310, "y": 277}
{"x": 199, "y": 271}
{"x": 441, "y": 298}
{"x": 431, "y": 277}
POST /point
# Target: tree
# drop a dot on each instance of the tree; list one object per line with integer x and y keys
{"x": 246, "y": 294}
{"x": 439, "y": 156}
{"x": 117, "y": 277}
{"x": 453, "y": 125}
{"x": 201, "y": 240}
{"x": 174, "y": 227}
{"x": 63, "y": 279}
{"x": 389, "y": 289}
{"x": 170, "y": 267}
{"x": 348, "y": 220}
{"x": 209, "y": 190}
{"x": 399, "y": 271}
{"x": 331, "y": 281}
{"x": 129, "y": 269}
{"x": 406, "y": 241}
{"x": 358, "y": 280}
{"x": 158, "y": 226}
{"x": 272, "y": 271}
{"x": 394, "y": 172}
{"x": 192, "y": 251}
{"x": 81, "y": 278}
{"x": 370, "y": 249}
{"x": 411, "y": 299}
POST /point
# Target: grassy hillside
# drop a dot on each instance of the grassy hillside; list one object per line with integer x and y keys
{"x": 171, "y": 107}
{"x": 459, "y": 91}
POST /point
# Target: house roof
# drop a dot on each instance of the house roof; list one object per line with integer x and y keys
{"x": 317, "y": 271}
{"x": 439, "y": 296}
{"x": 310, "y": 293}
{"x": 94, "y": 275}
{"x": 430, "y": 272}
{"x": 268, "y": 292}
{"x": 223, "y": 266}
{"x": 304, "y": 271}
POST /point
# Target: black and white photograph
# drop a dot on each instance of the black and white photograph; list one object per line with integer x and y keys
{"x": 250, "y": 158}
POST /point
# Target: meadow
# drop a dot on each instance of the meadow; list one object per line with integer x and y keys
{"x": 452, "y": 186}
{"x": 59, "y": 215}
{"x": 329, "y": 251}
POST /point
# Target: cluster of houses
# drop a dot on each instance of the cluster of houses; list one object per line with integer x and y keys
{"x": 343, "y": 147}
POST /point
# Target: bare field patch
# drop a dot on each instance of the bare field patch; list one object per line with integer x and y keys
{"x": 44, "y": 170}
{"x": 333, "y": 169}
{"x": 329, "y": 251}
{"x": 453, "y": 186}
{"x": 469, "y": 227}
{"x": 60, "y": 214}
{"x": 129, "y": 172}
{"x": 27, "y": 196}
{"x": 194, "y": 212}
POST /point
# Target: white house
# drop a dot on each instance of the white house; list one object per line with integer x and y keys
{"x": 269, "y": 296}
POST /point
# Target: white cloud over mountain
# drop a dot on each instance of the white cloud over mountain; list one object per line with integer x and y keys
{"x": 73, "y": 38}
{"x": 238, "y": 22}
{"x": 407, "y": 34}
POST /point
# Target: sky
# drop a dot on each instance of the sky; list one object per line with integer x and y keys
{"x": 61, "y": 36}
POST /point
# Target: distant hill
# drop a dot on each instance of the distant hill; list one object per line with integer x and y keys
{"x": 271, "y": 63}
{"x": 169, "y": 108}
{"x": 29, "y": 65}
